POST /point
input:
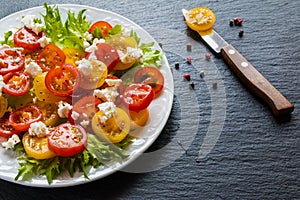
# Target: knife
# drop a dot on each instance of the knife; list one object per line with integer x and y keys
{"x": 243, "y": 69}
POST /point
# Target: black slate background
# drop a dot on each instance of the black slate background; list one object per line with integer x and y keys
{"x": 256, "y": 156}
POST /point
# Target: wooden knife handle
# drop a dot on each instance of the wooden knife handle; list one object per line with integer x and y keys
{"x": 256, "y": 82}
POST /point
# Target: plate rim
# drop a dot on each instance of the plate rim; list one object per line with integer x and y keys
{"x": 143, "y": 148}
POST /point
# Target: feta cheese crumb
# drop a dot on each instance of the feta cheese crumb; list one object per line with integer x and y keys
{"x": 75, "y": 115}
{"x": 107, "y": 94}
{"x": 38, "y": 129}
{"x": 108, "y": 109}
{"x": 84, "y": 123}
{"x": 29, "y": 21}
{"x": 63, "y": 109}
{"x": 134, "y": 52}
{"x": 85, "y": 66}
{"x": 11, "y": 142}
{"x": 44, "y": 41}
{"x": 94, "y": 47}
{"x": 33, "y": 69}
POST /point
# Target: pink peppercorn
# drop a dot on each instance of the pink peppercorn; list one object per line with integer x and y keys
{"x": 187, "y": 77}
{"x": 189, "y": 59}
{"x": 207, "y": 56}
{"x": 238, "y": 21}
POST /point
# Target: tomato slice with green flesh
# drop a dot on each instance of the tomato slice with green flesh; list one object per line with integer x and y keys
{"x": 86, "y": 107}
{"x": 11, "y": 60}
{"x": 151, "y": 76}
{"x": 16, "y": 83}
{"x": 21, "y": 118}
{"x": 115, "y": 129}
{"x": 107, "y": 54}
{"x": 62, "y": 80}
{"x": 103, "y": 26}
{"x": 138, "y": 96}
{"x": 37, "y": 147}
{"x": 67, "y": 140}
{"x": 50, "y": 57}
{"x": 27, "y": 39}
{"x": 6, "y": 129}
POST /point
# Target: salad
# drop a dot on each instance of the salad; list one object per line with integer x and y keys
{"x": 72, "y": 91}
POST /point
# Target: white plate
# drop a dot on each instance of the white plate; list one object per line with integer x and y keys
{"x": 160, "y": 108}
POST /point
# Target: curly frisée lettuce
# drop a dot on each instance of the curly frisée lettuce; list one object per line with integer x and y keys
{"x": 68, "y": 34}
{"x": 96, "y": 153}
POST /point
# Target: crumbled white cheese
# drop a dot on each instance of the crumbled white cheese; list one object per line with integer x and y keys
{"x": 108, "y": 109}
{"x": 84, "y": 66}
{"x": 113, "y": 82}
{"x": 107, "y": 94}
{"x": 84, "y": 123}
{"x": 94, "y": 47}
{"x": 135, "y": 52}
{"x": 38, "y": 129}
{"x": 29, "y": 21}
{"x": 2, "y": 84}
{"x": 44, "y": 41}
{"x": 33, "y": 69}
{"x": 63, "y": 109}
{"x": 87, "y": 36}
{"x": 75, "y": 115}
{"x": 11, "y": 142}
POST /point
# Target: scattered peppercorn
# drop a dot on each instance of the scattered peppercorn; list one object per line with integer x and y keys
{"x": 215, "y": 85}
{"x": 189, "y": 59}
{"x": 207, "y": 56}
{"x": 187, "y": 77}
{"x": 201, "y": 74}
{"x": 241, "y": 33}
{"x": 177, "y": 65}
{"x": 238, "y": 21}
{"x": 192, "y": 85}
{"x": 189, "y": 47}
{"x": 231, "y": 22}
{"x": 160, "y": 44}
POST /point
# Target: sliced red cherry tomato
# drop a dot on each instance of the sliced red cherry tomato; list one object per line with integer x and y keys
{"x": 62, "y": 80}
{"x": 16, "y": 83}
{"x": 51, "y": 56}
{"x": 107, "y": 54}
{"x": 102, "y": 25}
{"x": 27, "y": 39}
{"x": 11, "y": 60}
{"x": 138, "y": 96}
{"x": 6, "y": 129}
{"x": 67, "y": 140}
{"x": 150, "y": 76}
{"x": 84, "y": 109}
{"x": 21, "y": 118}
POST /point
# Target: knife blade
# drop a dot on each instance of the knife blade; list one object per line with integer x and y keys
{"x": 244, "y": 70}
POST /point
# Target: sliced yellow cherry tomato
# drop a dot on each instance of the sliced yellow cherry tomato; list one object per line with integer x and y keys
{"x": 3, "y": 106}
{"x": 115, "y": 129}
{"x": 73, "y": 55}
{"x": 200, "y": 19}
{"x": 37, "y": 147}
{"x": 49, "y": 111}
{"x": 139, "y": 118}
{"x": 121, "y": 43}
{"x": 41, "y": 91}
{"x": 96, "y": 77}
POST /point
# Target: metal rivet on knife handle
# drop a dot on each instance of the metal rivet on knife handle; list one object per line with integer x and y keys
{"x": 256, "y": 82}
